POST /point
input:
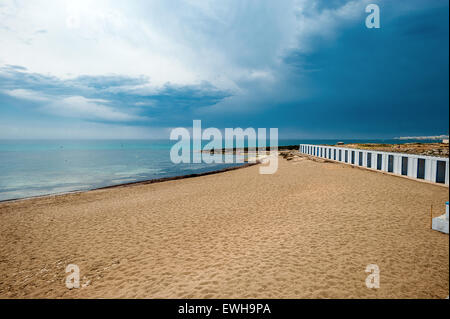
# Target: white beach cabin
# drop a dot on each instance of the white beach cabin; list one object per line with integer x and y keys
{"x": 441, "y": 223}
{"x": 428, "y": 168}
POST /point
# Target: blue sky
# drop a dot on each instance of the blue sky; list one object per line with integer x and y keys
{"x": 136, "y": 69}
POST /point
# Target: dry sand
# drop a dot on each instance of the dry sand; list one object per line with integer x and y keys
{"x": 309, "y": 231}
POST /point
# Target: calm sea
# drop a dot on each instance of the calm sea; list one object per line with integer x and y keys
{"x": 40, "y": 167}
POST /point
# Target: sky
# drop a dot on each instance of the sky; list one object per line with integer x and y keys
{"x": 137, "y": 69}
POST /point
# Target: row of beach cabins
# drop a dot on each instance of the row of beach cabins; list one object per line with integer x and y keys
{"x": 432, "y": 169}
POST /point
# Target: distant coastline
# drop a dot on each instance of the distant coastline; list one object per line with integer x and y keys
{"x": 436, "y": 137}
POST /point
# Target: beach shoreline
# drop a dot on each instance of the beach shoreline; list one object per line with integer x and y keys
{"x": 144, "y": 182}
{"x": 308, "y": 231}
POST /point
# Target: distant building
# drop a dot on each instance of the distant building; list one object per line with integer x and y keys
{"x": 445, "y": 141}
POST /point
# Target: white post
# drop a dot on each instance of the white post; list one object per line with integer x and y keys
{"x": 397, "y": 164}
{"x": 433, "y": 170}
{"x": 412, "y": 166}
{"x": 446, "y": 178}
{"x": 374, "y": 160}
{"x": 428, "y": 169}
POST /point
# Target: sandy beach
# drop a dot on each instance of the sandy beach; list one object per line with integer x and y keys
{"x": 308, "y": 231}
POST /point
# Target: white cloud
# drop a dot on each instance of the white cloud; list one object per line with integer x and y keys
{"x": 27, "y": 95}
{"x": 75, "y": 106}
{"x": 324, "y": 24}
{"x": 92, "y": 109}
{"x": 226, "y": 43}
{"x": 181, "y": 42}
{"x": 102, "y": 37}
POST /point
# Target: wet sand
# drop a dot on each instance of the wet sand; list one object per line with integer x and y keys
{"x": 309, "y": 231}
